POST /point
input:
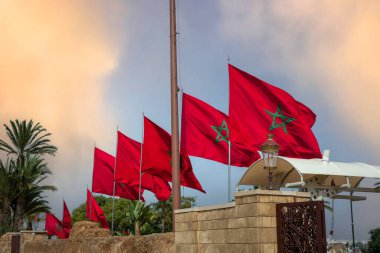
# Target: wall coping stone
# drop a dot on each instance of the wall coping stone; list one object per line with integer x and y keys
{"x": 13, "y": 233}
{"x": 33, "y": 232}
{"x": 205, "y": 208}
{"x": 273, "y": 193}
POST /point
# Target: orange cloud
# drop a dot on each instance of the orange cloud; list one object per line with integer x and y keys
{"x": 332, "y": 43}
{"x": 55, "y": 58}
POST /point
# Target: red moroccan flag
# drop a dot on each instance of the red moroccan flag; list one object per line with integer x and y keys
{"x": 103, "y": 177}
{"x": 258, "y": 108}
{"x": 94, "y": 212}
{"x": 53, "y": 226}
{"x": 205, "y": 133}
{"x": 66, "y": 221}
{"x": 128, "y": 169}
{"x": 157, "y": 156}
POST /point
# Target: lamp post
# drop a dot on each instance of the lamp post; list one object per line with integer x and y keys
{"x": 270, "y": 150}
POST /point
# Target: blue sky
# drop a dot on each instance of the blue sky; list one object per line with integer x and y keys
{"x": 85, "y": 67}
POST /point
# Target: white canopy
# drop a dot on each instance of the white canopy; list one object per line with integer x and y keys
{"x": 310, "y": 173}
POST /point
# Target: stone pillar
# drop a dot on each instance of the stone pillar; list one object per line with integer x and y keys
{"x": 248, "y": 225}
{"x": 6, "y": 242}
{"x": 29, "y": 235}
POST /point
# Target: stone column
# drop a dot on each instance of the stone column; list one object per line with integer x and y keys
{"x": 248, "y": 225}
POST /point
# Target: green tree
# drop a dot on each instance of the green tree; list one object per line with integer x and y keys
{"x": 163, "y": 212}
{"x": 28, "y": 142}
{"x": 139, "y": 214}
{"x": 127, "y": 212}
{"x": 121, "y": 223}
{"x": 374, "y": 241}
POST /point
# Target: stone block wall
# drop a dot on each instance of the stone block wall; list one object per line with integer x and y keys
{"x": 25, "y": 236}
{"x": 248, "y": 225}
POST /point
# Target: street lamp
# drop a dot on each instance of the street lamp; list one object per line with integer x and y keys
{"x": 270, "y": 150}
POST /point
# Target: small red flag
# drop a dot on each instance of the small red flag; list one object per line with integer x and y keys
{"x": 258, "y": 108}
{"x": 157, "y": 156}
{"x": 128, "y": 169}
{"x": 53, "y": 226}
{"x": 94, "y": 212}
{"x": 205, "y": 133}
{"x": 103, "y": 177}
{"x": 66, "y": 221}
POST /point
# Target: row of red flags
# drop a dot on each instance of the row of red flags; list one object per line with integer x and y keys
{"x": 124, "y": 170}
{"x": 54, "y": 226}
{"x": 256, "y": 108}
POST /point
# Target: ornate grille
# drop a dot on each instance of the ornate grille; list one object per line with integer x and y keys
{"x": 301, "y": 227}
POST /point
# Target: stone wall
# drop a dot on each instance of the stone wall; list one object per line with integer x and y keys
{"x": 248, "y": 225}
{"x": 6, "y": 242}
{"x": 156, "y": 243}
{"x": 87, "y": 237}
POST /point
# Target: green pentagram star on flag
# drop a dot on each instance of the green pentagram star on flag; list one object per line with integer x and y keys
{"x": 279, "y": 114}
{"x": 219, "y": 131}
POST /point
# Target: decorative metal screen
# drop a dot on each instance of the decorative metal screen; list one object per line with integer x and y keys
{"x": 301, "y": 227}
{"x": 15, "y": 247}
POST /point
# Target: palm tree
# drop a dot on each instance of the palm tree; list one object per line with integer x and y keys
{"x": 28, "y": 142}
{"x": 139, "y": 214}
{"x": 7, "y": 194}
{"x": 35, "y": 172}
{"x": 27, "y": 139}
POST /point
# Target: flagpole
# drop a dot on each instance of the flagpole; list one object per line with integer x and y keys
{"x": 91, "y": 205}
{"x": 141, "y": 155}
{"x": 229, "y": 171}
{"x": 114, "y": 181}
{"x": 93, "y": 164}
{"x": 174, "y": 113}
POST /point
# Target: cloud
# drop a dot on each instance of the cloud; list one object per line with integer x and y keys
{"x": 328, "y": 48}
{"x": 55, "y": 58}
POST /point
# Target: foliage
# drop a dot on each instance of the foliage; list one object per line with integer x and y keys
{"x": 163, "y": 211}
{"x": 150, "y": 218}
{"x": 139, "y": 214}
{"x": 374, "y": 241}
{"x": 121, "y": 224}
{"x": 22, "y": 174}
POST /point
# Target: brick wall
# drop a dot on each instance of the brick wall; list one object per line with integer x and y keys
{"x": 248, "y": 225}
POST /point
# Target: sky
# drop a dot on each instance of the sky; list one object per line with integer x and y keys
{"x": 85, "y": 68}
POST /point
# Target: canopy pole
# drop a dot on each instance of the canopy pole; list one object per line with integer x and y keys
{"x": 352, "y": 223}
{"x": 229, "y": 172}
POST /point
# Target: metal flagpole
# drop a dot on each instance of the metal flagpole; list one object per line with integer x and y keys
{"x": 93, "y": 164}
{"x": 229, "y": 171}
{"x": 174, "y": 113}
{"x": 114, "y": 181}
{"x": 87, "y": 201}
{"x": 141, "y": 155}
{"x": 91, "y": 205}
